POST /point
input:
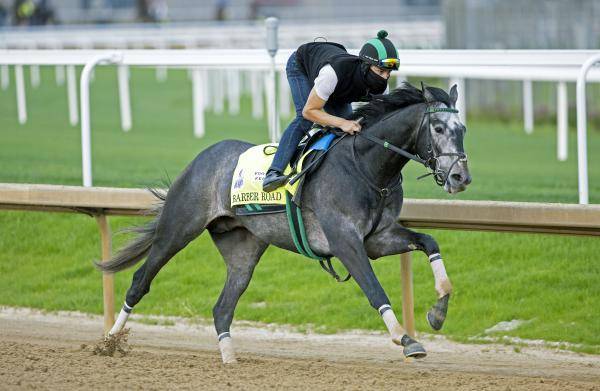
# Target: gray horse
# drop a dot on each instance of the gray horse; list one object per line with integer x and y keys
{"x": 350, "y": 208}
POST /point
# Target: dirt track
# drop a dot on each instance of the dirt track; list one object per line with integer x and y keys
{"x": 55, "y": 352}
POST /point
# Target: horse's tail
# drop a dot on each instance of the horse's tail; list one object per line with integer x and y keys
{"x": 138, "y": 248}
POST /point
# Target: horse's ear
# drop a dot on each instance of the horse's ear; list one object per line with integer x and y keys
{"x": 453, "y": 94}
{"x": 428, "y": 95}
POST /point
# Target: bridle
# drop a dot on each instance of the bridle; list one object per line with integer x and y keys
{"x": 431, "y": 161}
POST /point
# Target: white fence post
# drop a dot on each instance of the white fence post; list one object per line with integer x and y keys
{"x": 161, "y": 71}
{"x": 272, "y": 112}
{"x": 72, "y": 95}
{"x": 217, "y": 92}
{"x": 59, "y": 75}
{"x": 190, "y": 44}
{"x": 257, "y": 94}
{"x": 124, "y": 100}
{"x": 408, "y": 301}
{"x": 21, "y": 101}
{"x": 272, "y": 45}
{"x": 59, "y": 70}
{"x": 528, "y": 106}
{"x": 34, "y": 73}
{"x": 562, "y": 112}
{"x": 161, "y": 74}
{"x": 582, "y": 129}
{"x": 4, "y": 76}
{"x": 198, "y": 82}
{"x": 206, "y": 88}
{"x": 233, "y": 91}
{"x": 86, "y": 149}
{"x": 284, "y": 95}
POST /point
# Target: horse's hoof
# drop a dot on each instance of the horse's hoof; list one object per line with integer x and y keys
{"x": 412, "y": 348}
{"x": 415, "y": 350}
{"x": 437, "y": 314}
{"x": 227, "y": 351}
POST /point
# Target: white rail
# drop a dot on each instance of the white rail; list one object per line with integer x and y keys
{"x": 582, "y": 163}
{"x": 86, "y": 137}
{"x": 561, "y": 66}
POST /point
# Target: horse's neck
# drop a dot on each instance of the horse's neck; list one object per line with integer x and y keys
{"x": 400, "y": 129}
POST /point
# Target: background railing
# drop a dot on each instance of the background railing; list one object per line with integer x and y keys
{"x": 215, "y": 71}
{"x": 410, "y": 33}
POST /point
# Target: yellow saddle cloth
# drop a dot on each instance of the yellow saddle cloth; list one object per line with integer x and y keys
{"x": 246, "y": 185}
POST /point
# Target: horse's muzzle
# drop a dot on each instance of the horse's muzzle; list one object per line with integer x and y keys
{"x": 459, "y": 178}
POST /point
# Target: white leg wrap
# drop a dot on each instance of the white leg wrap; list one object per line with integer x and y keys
{"x": 442, "y": 282}
{"x": 392, "y": 324}
{"x": 227, "y": 352}
{"x": 121, "y": 320}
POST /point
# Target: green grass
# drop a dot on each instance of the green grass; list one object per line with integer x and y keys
{"x": 553, "y": 281}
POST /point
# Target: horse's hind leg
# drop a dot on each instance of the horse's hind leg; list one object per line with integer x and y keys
{"x": 162, "y": 251}
{"x": 241, "y": 251}
{"x": 176, "y": 228}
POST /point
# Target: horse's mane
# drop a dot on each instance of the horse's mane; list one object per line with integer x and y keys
{"x": 403, "y": 96}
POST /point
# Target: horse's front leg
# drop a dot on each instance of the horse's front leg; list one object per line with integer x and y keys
{"x": 349, "y": 248}
{"x": 395, "y": 239}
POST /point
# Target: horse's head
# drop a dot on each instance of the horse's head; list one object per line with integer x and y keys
{"x": 437, "y": 140}
{"x": 441, "y": 140}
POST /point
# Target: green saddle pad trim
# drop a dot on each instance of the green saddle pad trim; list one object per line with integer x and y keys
{"x": 253, "y": 207}
{"x": 294, "y": 216}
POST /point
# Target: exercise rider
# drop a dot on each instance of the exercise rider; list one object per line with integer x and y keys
{"x": 324, "y": 79}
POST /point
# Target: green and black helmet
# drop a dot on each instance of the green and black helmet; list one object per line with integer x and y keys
{"x": 380, "y": 51}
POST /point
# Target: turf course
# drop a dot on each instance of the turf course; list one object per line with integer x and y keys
{"x": 551, "y": 282}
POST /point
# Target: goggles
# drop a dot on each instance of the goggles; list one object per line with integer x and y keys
{"x": 389, "y": 63}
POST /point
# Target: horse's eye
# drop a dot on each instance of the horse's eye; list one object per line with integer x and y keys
{"x": 439, "y": 129}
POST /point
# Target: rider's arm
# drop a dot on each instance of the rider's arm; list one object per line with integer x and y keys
{"x": 324, "y": 85}
{"x": 313, "y": 111}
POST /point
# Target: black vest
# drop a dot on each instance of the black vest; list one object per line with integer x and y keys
{"x": 350, "y": 70}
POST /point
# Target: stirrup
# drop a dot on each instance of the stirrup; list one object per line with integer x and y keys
{"x": 275, "y": 183}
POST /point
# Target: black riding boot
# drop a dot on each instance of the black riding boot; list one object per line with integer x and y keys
{"x": 273, "y": 180}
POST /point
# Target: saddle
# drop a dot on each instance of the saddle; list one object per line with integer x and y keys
{"x": 246, "y": 187}
{"x": 248, "y": 198}
{"x": 312, "y": 138}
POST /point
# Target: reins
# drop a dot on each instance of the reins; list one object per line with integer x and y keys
{"x": 392, "y": 147}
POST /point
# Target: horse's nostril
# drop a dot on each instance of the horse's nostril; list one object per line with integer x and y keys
{"x": 456, "y": 177}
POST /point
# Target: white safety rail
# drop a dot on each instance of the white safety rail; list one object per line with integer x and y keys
{"x": 561, "y": 66}
{"x": 582, "y": 127}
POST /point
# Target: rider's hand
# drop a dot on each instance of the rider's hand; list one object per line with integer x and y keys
{"x": 350, "y": 127}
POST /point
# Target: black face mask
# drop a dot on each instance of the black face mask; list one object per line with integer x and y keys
{"x": 375, "y": 83}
